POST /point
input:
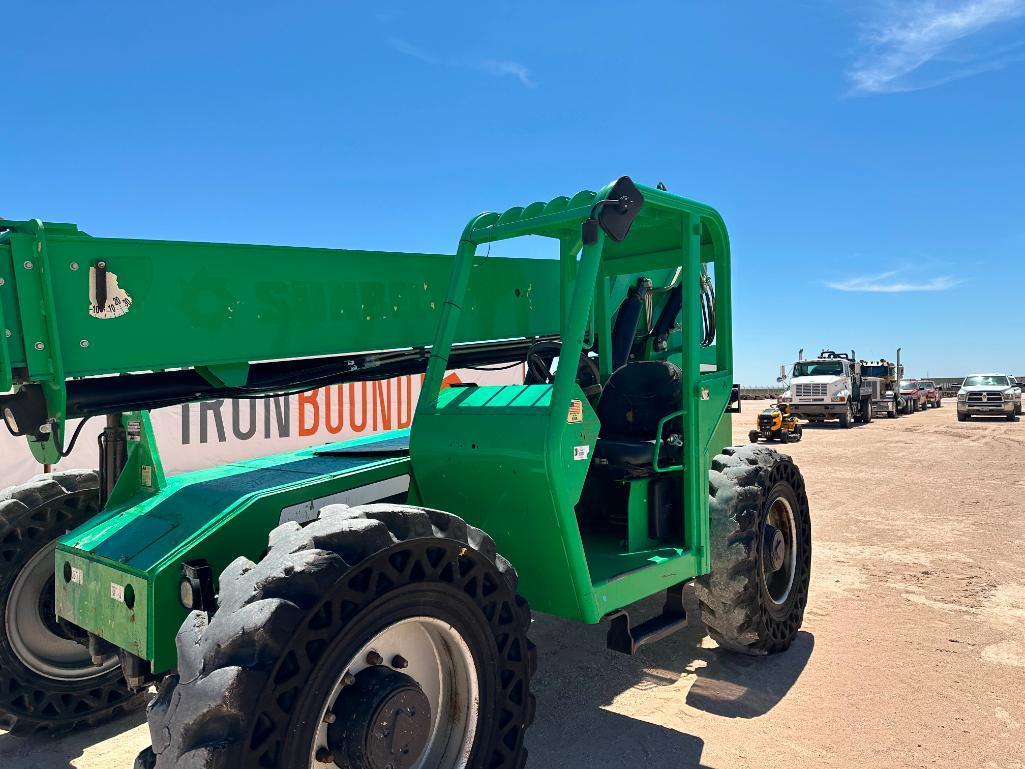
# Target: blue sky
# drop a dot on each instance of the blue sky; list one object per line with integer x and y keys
{"x": 868, "y": 158}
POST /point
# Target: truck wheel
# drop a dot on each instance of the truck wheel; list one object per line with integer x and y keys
{"x": 753, "y": 599}
{"x": 847, "y": 418}
{"x": 47, "y": 680}
{"x": 866, "y": 411}
{"x": 753, "y": 436}
{"x": 377, "y": 636}
{"x": 962, "y": 417}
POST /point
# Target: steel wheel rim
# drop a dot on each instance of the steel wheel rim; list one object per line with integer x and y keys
{"x": 439, "y": 660}
{"x": 33, "y": 642}
{"x": 779, "y": 584}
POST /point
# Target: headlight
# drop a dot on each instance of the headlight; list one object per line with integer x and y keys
{"x": 962, "y": 396}
{"x": 1008, "y": 395}
{"x": 839, "y": 398}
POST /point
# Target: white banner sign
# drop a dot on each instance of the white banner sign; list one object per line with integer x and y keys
{"x": 201, "y": 435}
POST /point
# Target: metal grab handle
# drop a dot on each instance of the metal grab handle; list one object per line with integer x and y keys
{"x": 6, "y": 373}
{"x": 658, "y": 444}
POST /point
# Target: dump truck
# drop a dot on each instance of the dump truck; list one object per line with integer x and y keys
{"x": 368, "y": 603}
{"x": 831, "y": 386}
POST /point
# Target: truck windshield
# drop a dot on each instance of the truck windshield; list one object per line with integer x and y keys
{"x": 818, "y": 368}
{"x": 986, "y": 381}
{"x": 875, "y": 371}
{"x": 906, "y": 384}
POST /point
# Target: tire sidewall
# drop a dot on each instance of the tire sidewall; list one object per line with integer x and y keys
{"x": 441, "y": 602}
{"x": 448, "y": 602}
{"x": 784, "y": 614}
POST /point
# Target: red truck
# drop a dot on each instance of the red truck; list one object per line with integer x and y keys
{"x": 914, "y": 397}
{"x": 933, "y": 394}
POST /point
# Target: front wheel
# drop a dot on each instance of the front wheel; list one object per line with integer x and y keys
{"x": 377, "y": 636}
{"x": 847, "y": 418}
{"x": 753, "y": 599}
{"x": 962, "y": 417}
{"x": 753, "y": 436}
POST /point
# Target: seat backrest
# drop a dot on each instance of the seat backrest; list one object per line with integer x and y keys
{"x": 636, "y": 397}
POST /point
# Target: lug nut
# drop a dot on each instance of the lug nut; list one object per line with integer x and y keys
{"x": 324, "y": 756}
{"x": 330, "y": 717}
{"x": 373, "y": 658}
{"x": 399, "y": 662}
{"x": 348, "y": 679}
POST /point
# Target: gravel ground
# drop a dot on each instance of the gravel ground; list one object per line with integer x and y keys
{"x": 912, "y": 653}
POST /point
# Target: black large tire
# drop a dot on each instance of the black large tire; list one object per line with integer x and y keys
{"x": 866, "y": 411}
{"x": 47, "y": 682}
{"x": 847, "y": 417}
{"x": 253, "y": 681}
{"x": 742, "y": 610}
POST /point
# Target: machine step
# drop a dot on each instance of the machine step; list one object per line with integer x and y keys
{"x": 628, "y": 640}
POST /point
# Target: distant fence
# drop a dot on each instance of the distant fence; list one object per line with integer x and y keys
{"x": 759, "y": 393}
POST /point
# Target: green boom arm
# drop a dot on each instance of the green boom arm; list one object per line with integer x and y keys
{"x": 196, "y": 320}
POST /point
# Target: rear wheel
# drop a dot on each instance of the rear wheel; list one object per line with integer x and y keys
{"x": 381, "y": 636}
{"x": 753, "y": 599}
{"x": 47, "y": 680}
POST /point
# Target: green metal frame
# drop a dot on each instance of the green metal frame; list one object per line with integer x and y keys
{"x": 510, "y": 459}
{"x": 503, "y": 457}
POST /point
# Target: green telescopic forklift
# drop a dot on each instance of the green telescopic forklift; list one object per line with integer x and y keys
{"x": 365, "y": 603}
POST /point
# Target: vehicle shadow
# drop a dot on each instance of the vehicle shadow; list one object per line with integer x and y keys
{"x": 585, "y": 691}
{"x": 60, "y": 752}
{"x": 596, "y": 709}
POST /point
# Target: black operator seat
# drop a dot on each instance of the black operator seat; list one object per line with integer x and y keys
{"x": 636, "y": 398}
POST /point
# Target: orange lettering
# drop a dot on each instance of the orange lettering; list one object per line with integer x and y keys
{"x": 309, "y": 399}
{"x": 382, "y": 396}
{"x": 404, "y": 420}
{"x": 357, "y": 427}
{"x": 334, "y": 426}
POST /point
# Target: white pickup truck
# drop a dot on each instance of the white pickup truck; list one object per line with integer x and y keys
{"x": 989, "y": 395}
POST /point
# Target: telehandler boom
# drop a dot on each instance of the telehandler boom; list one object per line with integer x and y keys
{"x": 346, "y": 605}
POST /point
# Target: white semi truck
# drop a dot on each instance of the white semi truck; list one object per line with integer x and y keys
{"x": 831, "y": 386}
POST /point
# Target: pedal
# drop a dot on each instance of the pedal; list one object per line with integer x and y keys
{"x": 628, "y": 640}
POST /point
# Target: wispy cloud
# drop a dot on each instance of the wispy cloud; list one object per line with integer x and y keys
{"x": 904, "y": 37}
{"x": 495, "y": 67}
{"x": 889, "y": 283}
{"x": 408, "y": 49}
{"x": 511, "y": 68}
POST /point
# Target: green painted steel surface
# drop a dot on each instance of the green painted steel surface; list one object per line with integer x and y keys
{"x": 521, "y": 472}
{"x": 514, "y": 460}
{"x": 218, "y": 307}
{"x": 217, "y": 515}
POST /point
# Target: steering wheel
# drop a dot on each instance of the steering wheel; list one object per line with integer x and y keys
{"x": 539, "y": 368}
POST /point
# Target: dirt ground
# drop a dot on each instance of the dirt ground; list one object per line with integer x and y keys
{"x": 912, "y": 652}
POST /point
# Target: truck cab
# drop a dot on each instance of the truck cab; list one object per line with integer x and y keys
{"x": 829, "y": 387}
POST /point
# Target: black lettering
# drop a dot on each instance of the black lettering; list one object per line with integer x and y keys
{"x": 236, "y": 421}
{"x": 211, "y": 407}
